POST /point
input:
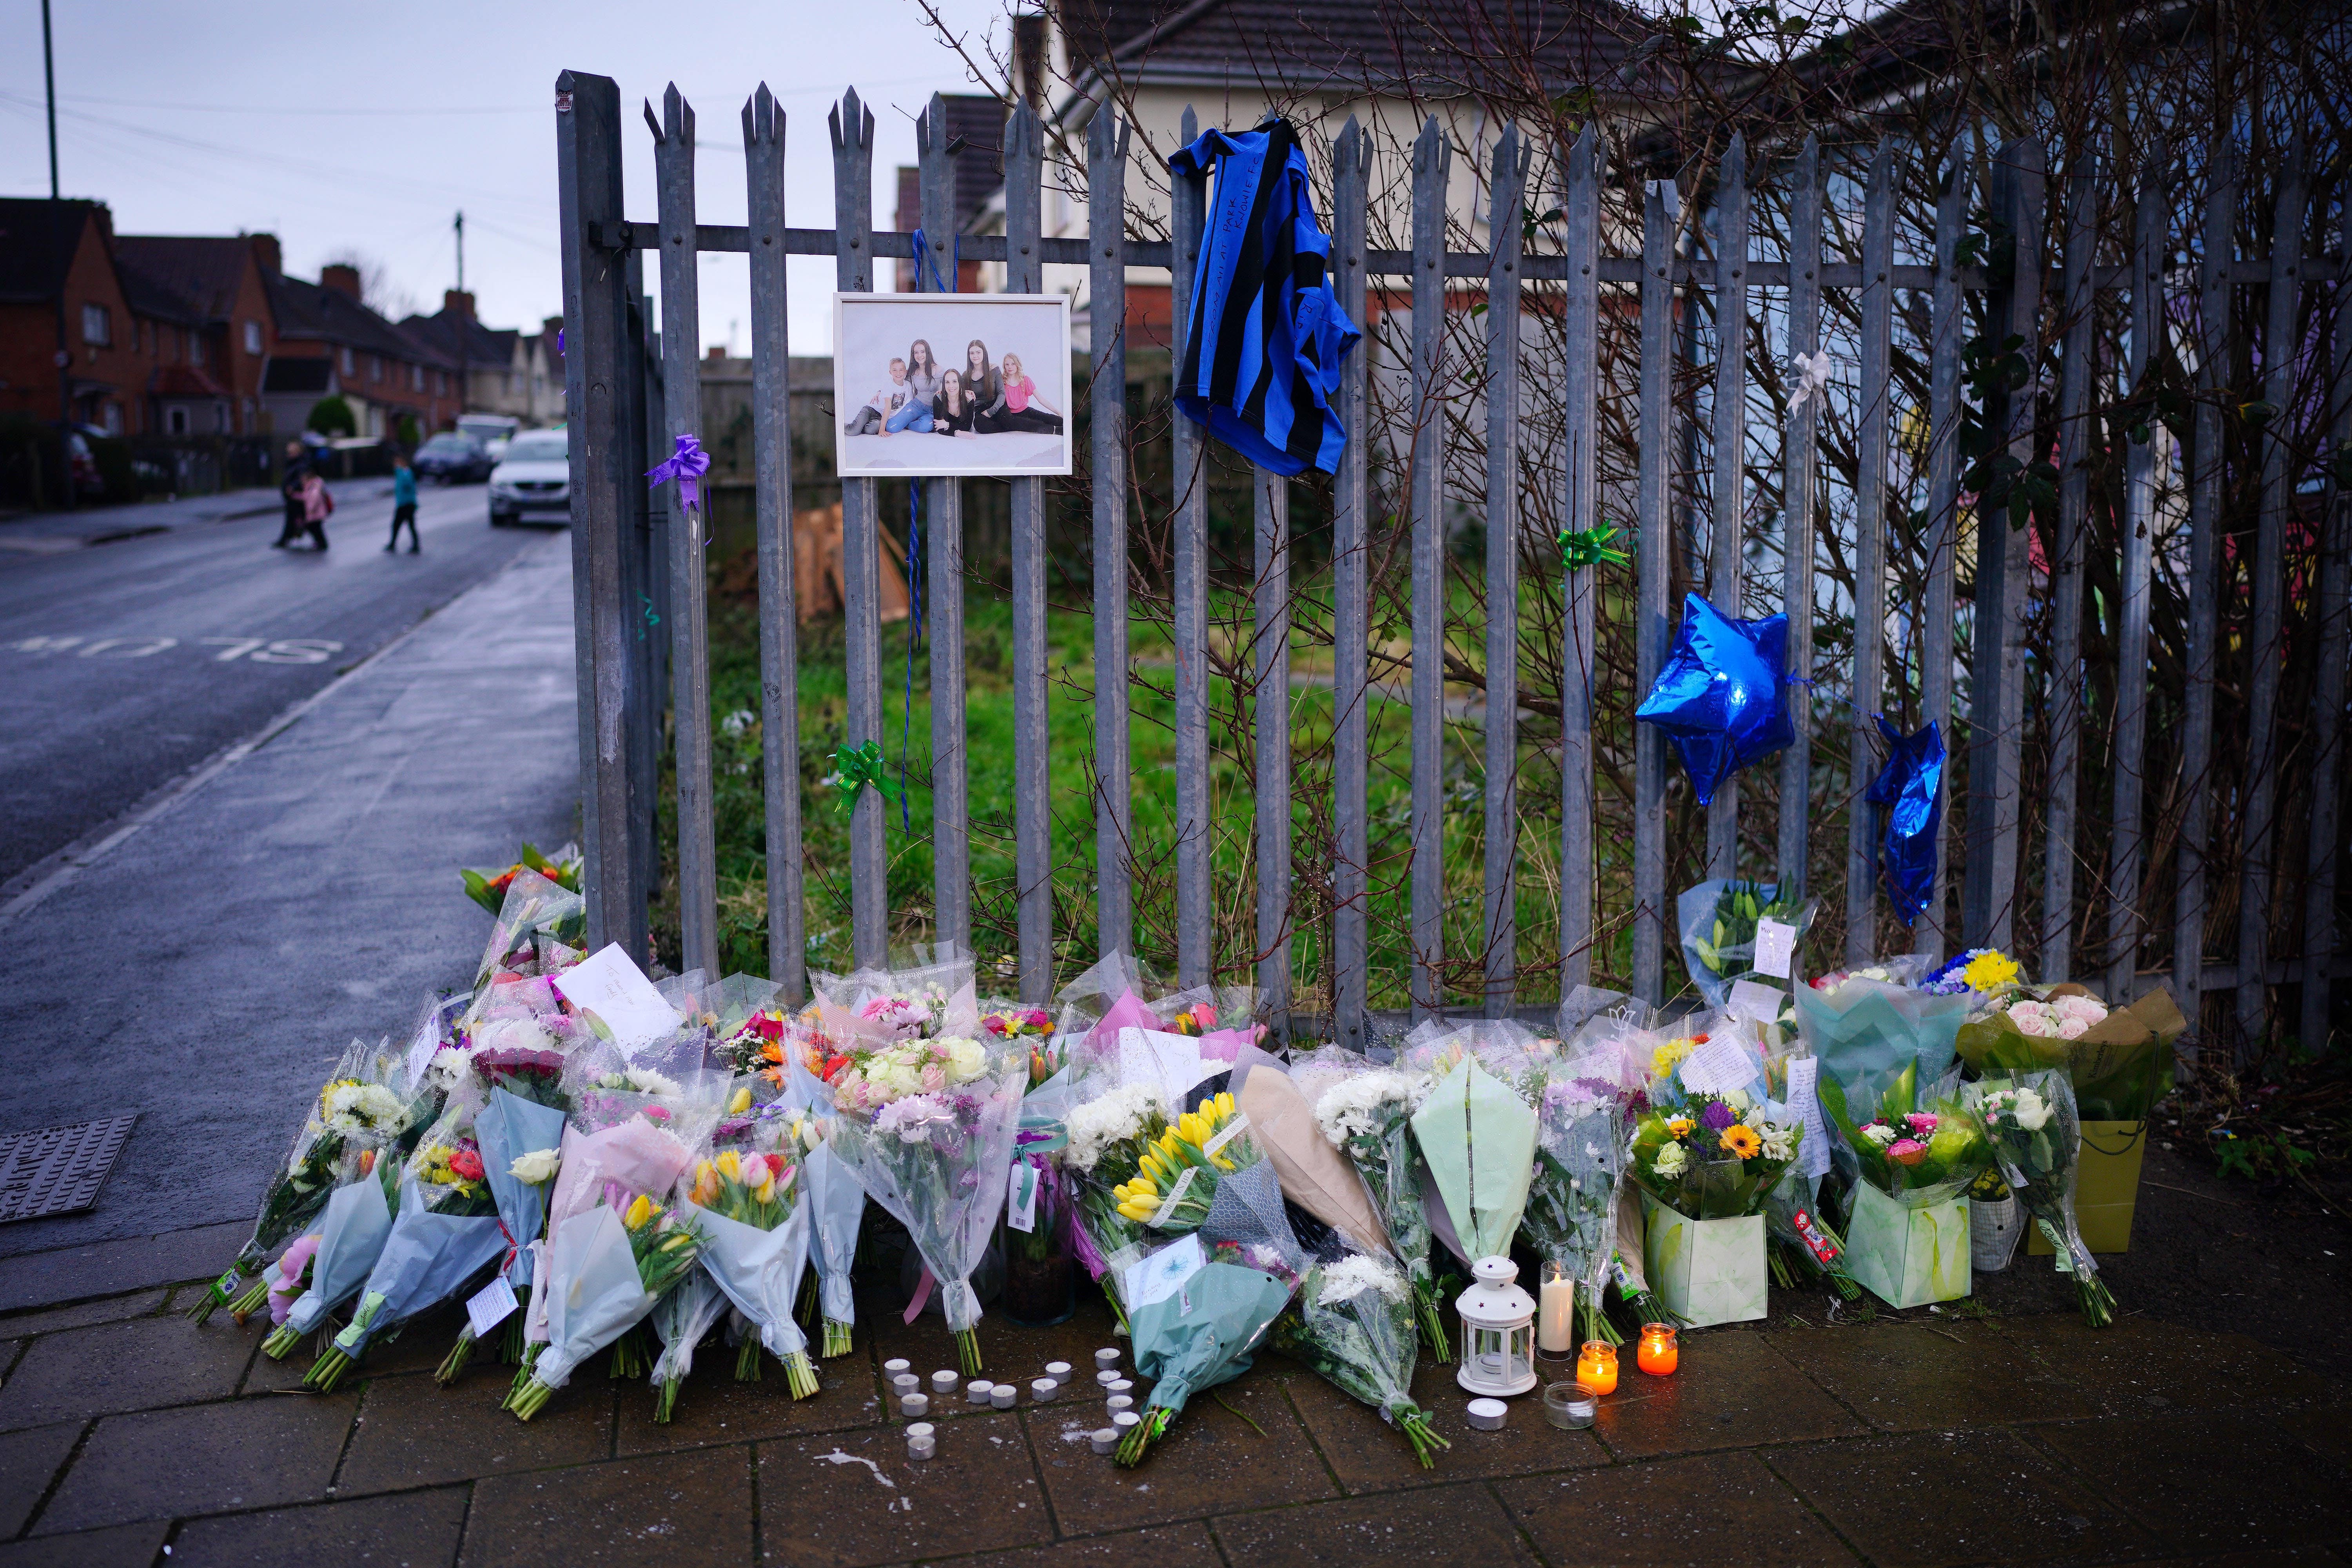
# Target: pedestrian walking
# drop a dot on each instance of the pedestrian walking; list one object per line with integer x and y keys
{"x": 317, "y": 506}
{"x": 290, "y": 488}
{"x": 404, "y": 502}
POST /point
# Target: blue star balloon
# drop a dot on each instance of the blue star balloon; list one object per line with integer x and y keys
{"x": 1723, "y": 696}
{"x": 1908, "y": 786}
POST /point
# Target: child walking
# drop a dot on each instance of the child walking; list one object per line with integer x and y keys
{"x": 404, "y": 502}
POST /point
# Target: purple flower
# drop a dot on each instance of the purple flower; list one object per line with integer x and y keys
{"x": 1717, "y": 1115}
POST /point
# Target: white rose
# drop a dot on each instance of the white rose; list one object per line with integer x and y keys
{"x": 536, "y": 1167}
{"x": 967, "y": 1059}
{"x": 2032, "y": 1112}
{"x": 1736, "y": 1098}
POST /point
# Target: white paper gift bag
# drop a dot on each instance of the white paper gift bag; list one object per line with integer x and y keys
{"x": 1704, "y": 1270}
{"x": 1907, "y": 1256}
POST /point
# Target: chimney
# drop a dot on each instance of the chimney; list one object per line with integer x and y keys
{"x": 266, "y": 254}
{"x": 1031, "y": 57}
{"x": 342, "y": 277}
{"x": 718, "y": 351}
{"x": 457, "y": 301}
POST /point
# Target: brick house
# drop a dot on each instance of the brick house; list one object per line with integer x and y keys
{"x": 328, "y": 341}
{"x": 498, "y": 363}
{"x": 206, "y": 378}
{"x": 56, "y": 254}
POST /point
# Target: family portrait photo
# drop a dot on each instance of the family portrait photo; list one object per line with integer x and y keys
{"x": 951, "y": 383}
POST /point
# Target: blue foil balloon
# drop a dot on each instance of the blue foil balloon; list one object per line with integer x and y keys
{"x": 1722, "y": 697}
{"x": 1909, "y": 787}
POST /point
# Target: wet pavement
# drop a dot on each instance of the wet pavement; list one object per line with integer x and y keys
{"x": 207, "y": 967}
{"x": 1919, "y": 1438}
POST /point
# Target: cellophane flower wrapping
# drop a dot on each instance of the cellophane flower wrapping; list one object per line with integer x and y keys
{"x": 681, "y": 1320}
{"x": 1718, "y": 920}
{"x": 1366, "y": 1113}
{"x": 540, "y": 930}
{"x": 928, "y": 1128}
{"x": 933, "y": 997}
{"x": 1571, "y": 1210}
{"x": 836, "y": 1202}
{"x": 1109, "y": 1124}
{"x": 615, "y": 1140}
{"x": 607, "y": 1266}
{"x": 352, "y": 1234}
{"x": 2119, "y": 1060}
{"x": 747, "y": 1201}
{"x": 1711, "y": 1153}
{"x": 1204, "y": 1332}
{"x": 428, "y": 1256}
{"x": 2030, "y": 1119}
{"x": 1353, "y": 1323}
{"x": 321, "y": 1158}
{"x": 1875, "y": 1019}
{"x": 1919, "y": 1150}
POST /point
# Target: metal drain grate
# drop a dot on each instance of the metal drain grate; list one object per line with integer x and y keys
{"x": 57, "y": 1170}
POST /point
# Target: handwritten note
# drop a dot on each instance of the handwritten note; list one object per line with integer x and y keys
{"x": 1776, "y": 948}
{"x": 1814, "y": 1150}
{"x": 491, "y": 1305}
{"x": 1760, "y": 1003}
{"x": 614, "y": 995}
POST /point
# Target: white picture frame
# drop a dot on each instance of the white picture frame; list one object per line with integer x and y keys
{"x": 871, "y": 330}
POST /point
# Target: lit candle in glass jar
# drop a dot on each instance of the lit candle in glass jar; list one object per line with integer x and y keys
{"x": 1556, "y": 1311}
{"x": 1596, "y": 1366}
{"x": 1657, "y": 1354}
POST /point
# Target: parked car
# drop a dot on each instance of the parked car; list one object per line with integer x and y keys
{"x": 492, "y": 430}
{"x": 534, "y": 483}
{"x": 453, "y": 459}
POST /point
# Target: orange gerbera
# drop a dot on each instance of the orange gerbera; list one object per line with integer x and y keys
{"x": 1742, "y": 1142}
{"x": 1680, "y": 1126}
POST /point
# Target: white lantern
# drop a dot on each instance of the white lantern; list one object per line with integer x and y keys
{"x": 1498, "y": 1330}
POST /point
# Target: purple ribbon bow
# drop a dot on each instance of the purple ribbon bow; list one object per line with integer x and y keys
{"x": 686, "y": 465}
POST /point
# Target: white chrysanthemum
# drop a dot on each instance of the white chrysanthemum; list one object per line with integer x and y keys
{"x": 448, "y": 1069}
{"x": 641, "y": 1080}
{"x": 1359, "y": 1272}
{"x": 1113, "y": 1117}
{"x": 1880, "y": 1133}
{"x": 367, "y": 1108}
{"x": 1672, "y": 1158}
{"x": 1779, "y": 1142}
{"x": 1354, "y": 1106}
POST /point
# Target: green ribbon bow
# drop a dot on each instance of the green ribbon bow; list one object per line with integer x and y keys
{"x": 1592, "y": 547}
{"x": 858, "y": 766}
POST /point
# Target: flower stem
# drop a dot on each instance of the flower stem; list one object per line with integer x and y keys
{"x": 1414, "y": 1424}
{"x": 746, "y": 1360}
{"x": 1140, "y": 1438}
{"x": 327, "y": 1371}
{"x": 453, "y": 1366}
{"x": 967, "y": 1341}
{"x": 281, "y": 1342}
{"x": 664, "y": 1398}
{"x": 837, "y": 1340}
{"x": 800, "y": 1375}
{"x": 1433, "y": 1322}
{"x": 531, "y": 1400}
{"x": 523, "y": 1371}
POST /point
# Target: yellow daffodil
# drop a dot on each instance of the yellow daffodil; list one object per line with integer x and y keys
{"x": 1990, "y": 972}
{"x": 1669, "y": 1056}
{"x": 639, "y": 1213}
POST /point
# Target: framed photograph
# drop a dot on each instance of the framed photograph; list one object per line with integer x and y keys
{"x": 951, "y": 383}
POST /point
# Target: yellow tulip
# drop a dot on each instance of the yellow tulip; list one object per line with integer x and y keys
{"x": 1225, "y": 1102}
{"x": 730, "y": 1165}
{"x": 765, "y": 1193}
{"x": 742, "y": 1103}
{"x": 638, "y": 1213}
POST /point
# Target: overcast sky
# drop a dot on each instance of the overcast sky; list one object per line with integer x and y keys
{"x": 346, "y": 129}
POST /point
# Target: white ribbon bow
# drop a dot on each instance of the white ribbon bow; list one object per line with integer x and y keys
{"x": 1812, "y": 373}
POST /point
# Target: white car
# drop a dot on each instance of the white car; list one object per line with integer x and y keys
{"x": 534, "y": 483}
{"x": 492, "y": 430}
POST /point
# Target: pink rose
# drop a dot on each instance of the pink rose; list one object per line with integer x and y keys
{"x": 935, "y": 1077}
{"x": 1905, "y": 1151}
{"x": 1919, "y": 1121}
{"x": 2072, "y": 1028}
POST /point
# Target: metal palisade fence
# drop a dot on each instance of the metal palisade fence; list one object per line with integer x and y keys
{"x": 2027, "y": 664}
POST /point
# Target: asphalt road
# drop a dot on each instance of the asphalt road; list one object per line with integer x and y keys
{"x": 123, "y": 666}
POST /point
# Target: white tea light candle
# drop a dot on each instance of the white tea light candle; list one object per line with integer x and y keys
{"x": 1002, "y": 1394}
{"x": 945, "y": 1382}
{"x": 979, "y": 1391}
{"x": 1043, "y": 1389}
{"x": 1105, "y": 1440}
{"x": 1487, "y": 1414}
{"x": 1059, "y": 1371}
{"x": 1106, "y": 1358}
{"x": 915, "y": 1405}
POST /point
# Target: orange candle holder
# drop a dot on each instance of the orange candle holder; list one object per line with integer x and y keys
{"x": 1657, "y": 1353}
{"x": 1596, "y": 1366}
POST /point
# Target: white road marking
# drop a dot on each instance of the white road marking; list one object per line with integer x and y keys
{"x": 253, "y": 650}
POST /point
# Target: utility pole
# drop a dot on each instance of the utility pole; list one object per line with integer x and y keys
{"x": 465, "y": 316}
{"x": 65, "y": 243}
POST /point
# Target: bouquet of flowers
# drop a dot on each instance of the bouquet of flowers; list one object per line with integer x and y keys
{"x": 684, "y": 1316}
{"x": 606, "y": 1268}
{"x": 746, "y": 1200}
{"x": 1918, "y": 1157}
{"x": 1177, "y": 1178}
{"x": 489, "y": 888}
{"x": 2119, "y": 1060}
{"x": 1479, "y": 1138}
{"x": 1108, "y": 1137}
{"x": 2036, "y": 1137}
{"x": 1984, "y": 974}
{"x": 1207, "y": 1312}
{"x": 519, "y": 1140}
{"x": 1353, "y": 1323}
{"x": 350, "y": 1234}
{"x": 1875, "y": 1020}
{"x": 325, "y": 1156}
{"x": 541, "y": 929}
{"x": 1718, "y": 922}
{"x": 1710, "y": 1156}
{"x": 756, "y": 1045}
{"x": 1009, "y": 1021}
{"x": 447, "y": 1231}
{"x": 927, "y": 1127}
{"x": 934, "y": 998}
{"x": 1571, "y": 1211}
{"x": 1368, "y": 1116}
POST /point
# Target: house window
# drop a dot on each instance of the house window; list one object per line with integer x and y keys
{"x": 375, "y": 367}
{"x": 113, "y": 420}
{"x": 98, "y": 326}
{"x": 195, "y": 346}
{"x": 253, "y": 337}
{"x": 416, "y": 378}
{"x": 348, "y": 361}
{"x": 175, "y": 420}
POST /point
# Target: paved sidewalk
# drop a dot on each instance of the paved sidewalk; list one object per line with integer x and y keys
{"x": 1919, "y": 1438}
{"x": 210, "y": 967}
